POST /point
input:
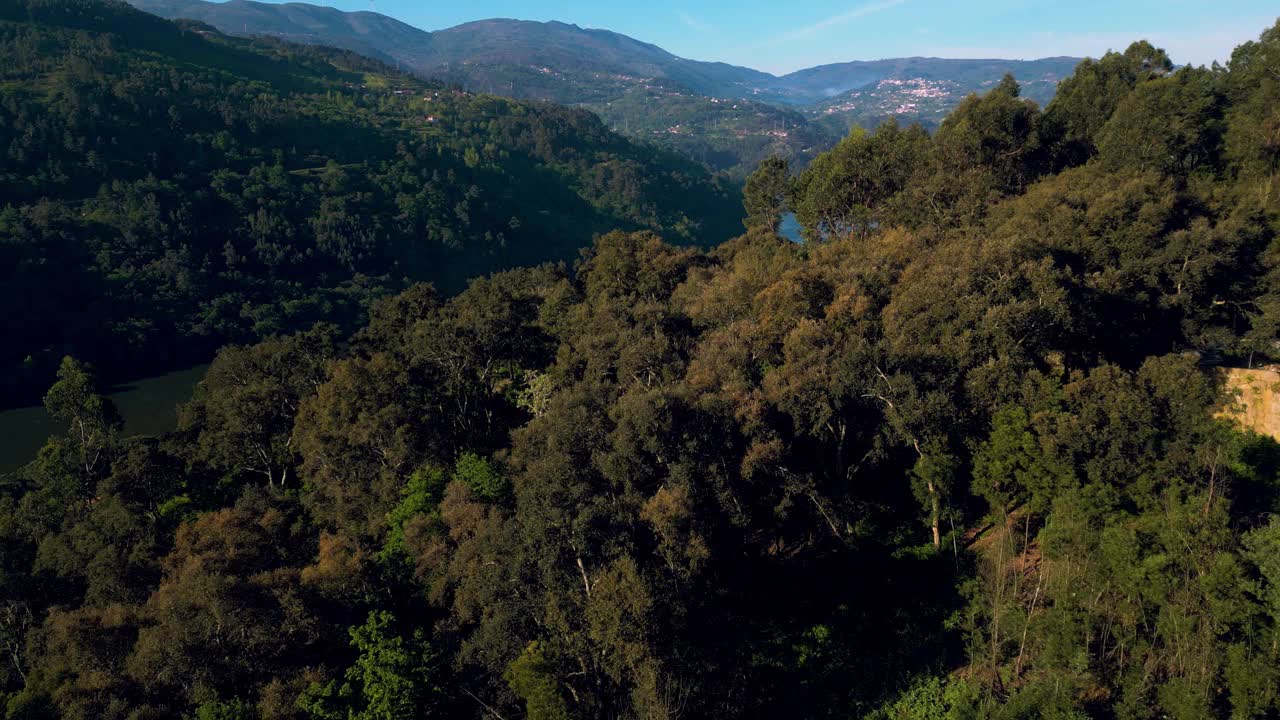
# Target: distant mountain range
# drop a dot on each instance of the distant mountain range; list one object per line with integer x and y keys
{"x": 639, "y": 88}
{"x": 475, "y": 52}
{"x": 497, "y": 51}
{"x": 368, "y": 33}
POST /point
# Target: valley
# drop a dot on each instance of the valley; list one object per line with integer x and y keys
{"x": 297, "y": 184}
{"x": 727, "y": 117}
{"x": 521, "y": 371}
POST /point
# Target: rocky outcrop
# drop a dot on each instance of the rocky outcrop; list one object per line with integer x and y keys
{"x": 1258, "y": 398}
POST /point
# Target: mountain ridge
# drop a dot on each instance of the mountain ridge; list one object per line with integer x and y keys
{"x": 726, "y": 116}
{"x": 212, "y": 189}
{"x": 507, "y": 40}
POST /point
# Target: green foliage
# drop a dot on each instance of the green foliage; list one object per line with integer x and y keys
{"x": 421, "y": 495}
{"x": 92, "y": 420}
{"x": 765, "y": 194}
{"x": 530, "y": 679}
{"x": 729, "y": 136}
{"x": 1085, "y": 101}
{"x": 960, "y": 456}
{"x": 1011, "y": 467}
{"x": 1262, "y": 548}
{"x": 218, "y": 710}
{"x": 1171, "y": 124}
{"x": 480, "y": 476}
{"x": 169, "y": 191}
{"x": 845, "y": 190}
{"x": 242, "y": 412}
{"x": 931, "y": 698}
{"x": 391, "y": 676}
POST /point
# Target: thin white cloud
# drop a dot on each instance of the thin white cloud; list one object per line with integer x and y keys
{"x": 815, "y": 28}
{"x": 693, "y": 22}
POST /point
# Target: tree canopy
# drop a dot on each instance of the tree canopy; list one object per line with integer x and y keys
{"x": 957, "y": 455}
{"x": 167, "y": 189}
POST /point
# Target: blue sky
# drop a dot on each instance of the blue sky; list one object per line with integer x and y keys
{"x": 784, "y": 36}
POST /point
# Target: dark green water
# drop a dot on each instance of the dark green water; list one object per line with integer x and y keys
{"x": 149, "y": 407}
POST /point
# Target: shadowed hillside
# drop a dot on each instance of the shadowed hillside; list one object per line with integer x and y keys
{"x": 169, "y": 189}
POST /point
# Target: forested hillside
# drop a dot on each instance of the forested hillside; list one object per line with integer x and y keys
{"x": 725, "y": 116}
{"x": 368, "y": 33}
{"x": 167, "y": 189}
{"x": 958, "y": 455}
{"x": 727, "y": 135}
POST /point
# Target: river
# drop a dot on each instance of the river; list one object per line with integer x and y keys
{"x": 149, "y": 407}
{"x": 790, "y": 228}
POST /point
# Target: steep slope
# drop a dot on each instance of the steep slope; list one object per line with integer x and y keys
{"x": 487, "y": 54}
{"x": 609, "y": 72}
{"x": 727, "y": 134}
{"x": 172, "y": 189}
{"x": 367, "y": 33}
{"x": 566, "y": 63}
{"x": 478, "y": 47}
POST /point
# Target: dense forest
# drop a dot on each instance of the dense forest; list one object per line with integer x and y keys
{"x": 960, "y": 454}
{"x": 728, "y": 135}
{"x": 167, "y": 189}
{"x": 725, "y": 116}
